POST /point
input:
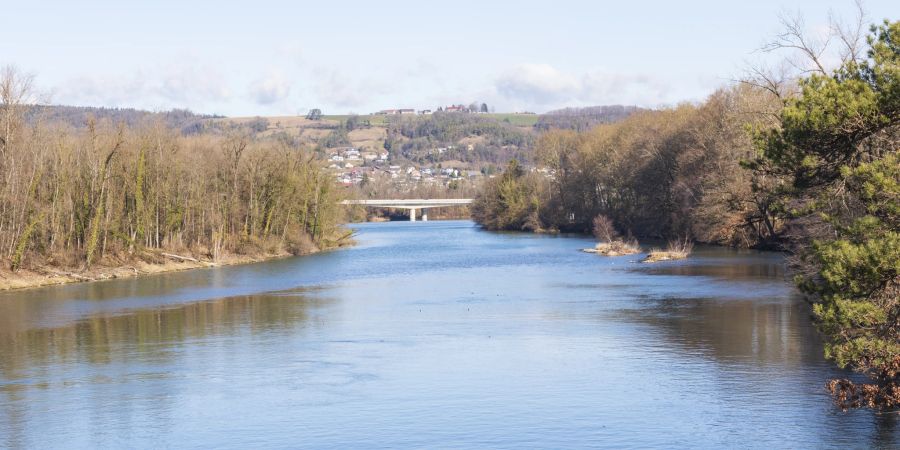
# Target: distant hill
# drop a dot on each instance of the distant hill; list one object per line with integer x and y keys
{"x": 77, "y": 116}
{"x": 585, "y": 118}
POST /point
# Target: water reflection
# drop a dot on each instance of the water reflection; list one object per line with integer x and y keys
{"x": 437, "y": 334}
{"x": 146, "y": 333}
{"x": 138, "y": 346}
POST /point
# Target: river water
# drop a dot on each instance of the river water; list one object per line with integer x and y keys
{"x": 428, "y": 335}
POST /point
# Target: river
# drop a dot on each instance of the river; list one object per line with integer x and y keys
{"x": 428, "y": 335}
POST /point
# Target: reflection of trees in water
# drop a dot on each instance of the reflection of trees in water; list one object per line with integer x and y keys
{"x": 735, "y": 329}
{"x": 103, "y": 339}
{"x": 886, "y": 433}
{"x": 737, "y": 333}
{"x": 730, "y": 269}
{"x": 147, "y": 335}
{"x": 743, "y": 329}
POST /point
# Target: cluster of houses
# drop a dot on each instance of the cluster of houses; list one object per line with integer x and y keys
{"x": 402, "y": 176}
{"x": 394, "y": 112}
{"x": 348, "y": 169}
{"x": 424, "y": 112}
{"x": 349, "y": 157}
{"x": 352, "y": 166}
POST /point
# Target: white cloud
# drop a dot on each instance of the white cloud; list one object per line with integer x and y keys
{"x": 538, "y": 83}
{"x": 334, "y": 88}
{"x": 272, "y": 88}
{"x": 192, "y": 84}
{"x": 184, "y": 86}
{"x": 543, "y": 86}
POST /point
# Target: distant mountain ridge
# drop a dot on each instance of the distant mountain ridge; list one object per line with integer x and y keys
{"x": 78, "y": 116}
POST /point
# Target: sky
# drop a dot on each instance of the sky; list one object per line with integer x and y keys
{"x": 268, "y": 58}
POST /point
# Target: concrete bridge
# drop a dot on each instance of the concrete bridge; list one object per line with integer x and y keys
{"x": 411, "y": 205}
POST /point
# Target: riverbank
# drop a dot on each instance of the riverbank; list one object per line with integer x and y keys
{"x": 34, "y": 277}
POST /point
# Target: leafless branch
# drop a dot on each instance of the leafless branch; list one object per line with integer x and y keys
{"x": 794, "y": 37}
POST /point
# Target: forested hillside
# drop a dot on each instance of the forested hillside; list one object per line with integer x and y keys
{"x": 473, "y": 138}
{"x": 79, "y": 116}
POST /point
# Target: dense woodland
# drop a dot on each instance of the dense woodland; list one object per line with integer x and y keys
{"x": 805, "y": 162}
{"x": 658, "y": 174}
{"x": 107, "y": 193}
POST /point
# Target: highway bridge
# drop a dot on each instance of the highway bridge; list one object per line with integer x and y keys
{"x": 411, "y": 204}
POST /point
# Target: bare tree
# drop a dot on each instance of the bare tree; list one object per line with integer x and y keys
{"x": 851, "y": 35}
{"x": 805, "y": 53}
{"x": 795, "y": 37}
{"x": 604, "y": 229}
{"x": 15, "y": 92}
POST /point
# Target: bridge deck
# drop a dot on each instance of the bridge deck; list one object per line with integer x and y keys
{"x": 411, "y": 203}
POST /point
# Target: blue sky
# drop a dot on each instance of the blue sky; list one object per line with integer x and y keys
{"x": 284, "y": 57}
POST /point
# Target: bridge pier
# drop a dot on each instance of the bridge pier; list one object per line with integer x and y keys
{"x": 424, "y": 214}
{"x": 412, "y": 214}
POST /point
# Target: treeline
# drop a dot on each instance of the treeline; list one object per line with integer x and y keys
{"x": 583, "y": 119}
{"x": 111, "y": 192}
{"x": 659, "y": 174}
{"x": 808, "y": 164}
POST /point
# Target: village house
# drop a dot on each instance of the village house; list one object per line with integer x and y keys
{"x": 395, "y": 112}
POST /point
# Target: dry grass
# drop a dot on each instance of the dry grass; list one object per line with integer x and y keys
{"x": 679, "y": 249}
{"x": 367, "y": 134}
{"x": 617, "y": 247}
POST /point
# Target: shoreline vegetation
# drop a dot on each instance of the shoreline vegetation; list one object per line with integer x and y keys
{"x": 805, "y": 162}
{"x": 614, "y": 248}
{"x": 679, "y": 249}
{"x": 611, "y": 242}
{"x": 106, "y": 199}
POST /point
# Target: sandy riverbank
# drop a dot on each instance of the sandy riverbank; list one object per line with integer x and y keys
{"x": 27, "y": 278}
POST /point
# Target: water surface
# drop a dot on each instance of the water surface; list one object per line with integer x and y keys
{"x": 430, "y": 335}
